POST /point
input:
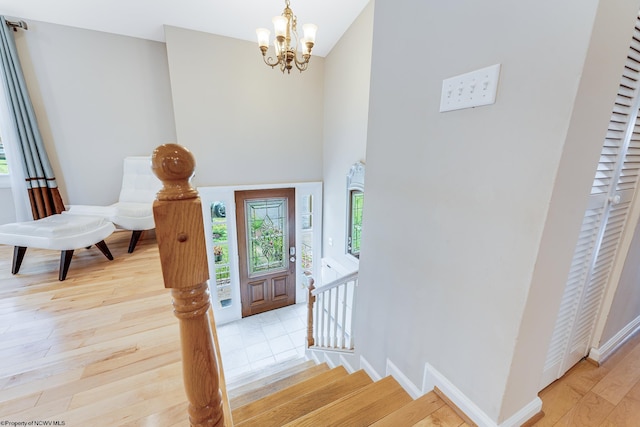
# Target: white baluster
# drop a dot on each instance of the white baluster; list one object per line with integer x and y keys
{"x": 344, "y": 316}
{"x": 334, "y": 316}
{"x": 321, "y": 319}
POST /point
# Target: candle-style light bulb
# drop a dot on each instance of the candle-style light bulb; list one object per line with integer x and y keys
{"x": 263, "y": 37}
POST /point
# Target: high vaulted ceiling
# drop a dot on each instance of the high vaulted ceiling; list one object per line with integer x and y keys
{"x": 231, "y": 18}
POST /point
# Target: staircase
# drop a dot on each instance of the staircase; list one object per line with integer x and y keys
{"x": 316, "y": 395}
{"x": 303, "y": 395}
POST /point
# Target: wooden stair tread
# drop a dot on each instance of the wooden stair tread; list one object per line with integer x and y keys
{"x": 288, "y": 394}
{"x": 412, "y": 412}
{"x": 361, "y": 408}
{"x": 245, "y": 382}
{"x": 258, "y": 389}
{"x": 444, "y": 416}
{"x": 303, "y": 404}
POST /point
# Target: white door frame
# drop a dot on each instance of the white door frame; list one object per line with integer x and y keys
{"x": 226, "y": 194}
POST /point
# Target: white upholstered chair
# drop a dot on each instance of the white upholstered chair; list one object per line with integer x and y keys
{"x": 134, "y": 208}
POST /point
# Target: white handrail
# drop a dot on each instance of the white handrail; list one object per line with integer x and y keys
{"x": 331, "y": 311}
{"x": 339, "y": 281}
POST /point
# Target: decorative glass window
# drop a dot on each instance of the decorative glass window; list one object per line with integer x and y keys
{"x": 266, "y": 233}
{"x": 355, "y": 202}
{"x": 306, "y": 247}
{"x": 219, "y": 234}
{"x": 355, "y": 222}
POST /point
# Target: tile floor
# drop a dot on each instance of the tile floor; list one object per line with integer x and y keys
{"x": 255, "y": 342}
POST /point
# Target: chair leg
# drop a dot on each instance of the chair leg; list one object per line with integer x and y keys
{"x": 18, "y": 255}
{"x": 135, "y": 236}
{"x": 65, "y": 260}
{"x": 104, "y": 249}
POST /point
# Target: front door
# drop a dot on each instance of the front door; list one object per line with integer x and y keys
{"x": 266, "y": 249}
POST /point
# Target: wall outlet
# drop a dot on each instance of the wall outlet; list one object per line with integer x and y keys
{"x": 471, "y": 89}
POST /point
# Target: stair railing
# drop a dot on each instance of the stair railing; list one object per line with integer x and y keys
{"x": 331, "y": 310}
{"x": 181, "y": 243}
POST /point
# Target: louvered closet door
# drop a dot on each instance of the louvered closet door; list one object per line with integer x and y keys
{"x": 611, "y": 195}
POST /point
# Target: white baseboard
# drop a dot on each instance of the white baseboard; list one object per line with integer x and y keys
{"x": 322, "y": 356}
{"x": 524, "y": 414}
{"x": 314, "y": 356}
{"x": 601, "y": 353}
{"x": 346, "y": 365}
{"x": 329, "y": 361}
{"x": 433, "y": 378}
{"x": 402, "y": 379}
{"x": 364, "y": 364}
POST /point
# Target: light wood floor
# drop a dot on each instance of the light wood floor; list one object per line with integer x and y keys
{"x": 102, "y": 348}
{"x": 591, "y": 396}
{"x": 98, "y": 349}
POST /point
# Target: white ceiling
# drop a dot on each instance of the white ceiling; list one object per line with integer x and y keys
{"x": 232, "y": 18}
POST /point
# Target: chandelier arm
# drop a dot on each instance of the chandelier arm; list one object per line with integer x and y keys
{"x": 301, "y": 65}
{"x": 270, "y": 61}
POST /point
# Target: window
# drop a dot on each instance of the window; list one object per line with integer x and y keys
{"x": 355, "y": 223}
{"x": 4, "y": 168}
{"x": 355, "y": 202}
{"x": 219, "y": 231}
{"x": 306, "y": 246}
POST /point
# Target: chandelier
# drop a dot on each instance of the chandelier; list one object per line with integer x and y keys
{"x": 286, "y": 54}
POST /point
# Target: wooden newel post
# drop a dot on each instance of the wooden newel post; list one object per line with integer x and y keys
{"x": 311, "y": 299}
{"x": 181, "y": 242}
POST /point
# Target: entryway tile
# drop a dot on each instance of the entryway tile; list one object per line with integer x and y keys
{"x": 253, "y": 343}
{"x": 274, "y": 330}
{"x": 281, "y": 344}
{"x": 259, "y": 351}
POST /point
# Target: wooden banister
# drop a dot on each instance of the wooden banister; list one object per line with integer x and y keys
{"x": 181, "y": 242}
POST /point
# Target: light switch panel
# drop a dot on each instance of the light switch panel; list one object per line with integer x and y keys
{"x": 472, "y": 89}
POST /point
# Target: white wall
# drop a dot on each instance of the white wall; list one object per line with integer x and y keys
{"x": 346, "y": 109}
{"x": 98, "y": 98}
{"x": 459, "y": 201}
{"x": 244, "y": 122}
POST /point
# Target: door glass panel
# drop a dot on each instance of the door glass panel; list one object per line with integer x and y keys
{"x": 266, "y": 224}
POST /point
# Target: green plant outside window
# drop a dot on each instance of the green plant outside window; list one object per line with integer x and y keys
{"x": 4, "y": 167}
{"x": 219, "y": 234}
{"x": 355, "y": 222}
